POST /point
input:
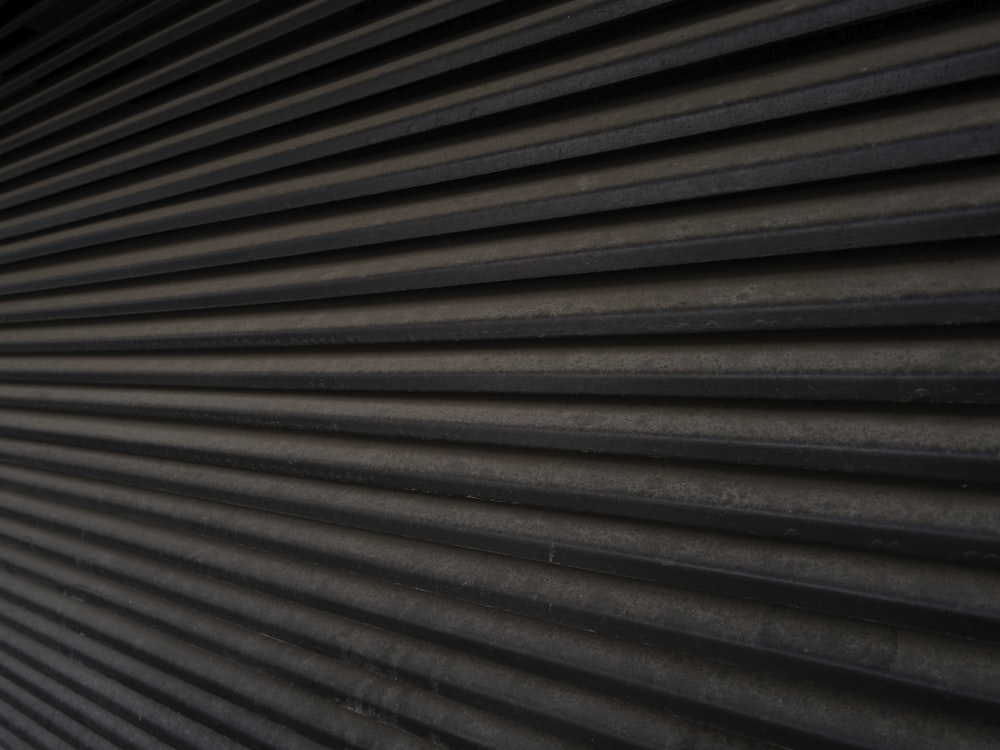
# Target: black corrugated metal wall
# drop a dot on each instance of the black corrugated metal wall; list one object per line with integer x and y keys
{"x": 462, "y": 373}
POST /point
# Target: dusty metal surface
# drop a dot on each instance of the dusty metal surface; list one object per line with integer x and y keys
{"x": 481, "y": 374}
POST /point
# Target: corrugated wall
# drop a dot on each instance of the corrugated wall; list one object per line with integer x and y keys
{"x": 476, "y": 374}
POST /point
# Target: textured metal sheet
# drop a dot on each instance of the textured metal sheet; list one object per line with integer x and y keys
{"x": 471, "y": 374}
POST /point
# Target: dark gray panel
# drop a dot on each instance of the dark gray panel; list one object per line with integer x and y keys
{"x": 469, "y": 374}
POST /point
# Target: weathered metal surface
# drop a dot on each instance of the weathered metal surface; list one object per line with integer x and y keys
{"x": 500, "y": 375}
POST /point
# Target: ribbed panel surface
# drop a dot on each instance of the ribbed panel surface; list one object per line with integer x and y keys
{"x": 478, "y": 374}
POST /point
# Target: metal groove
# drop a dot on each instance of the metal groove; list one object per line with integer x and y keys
{"x": 452, "y": 722}
{"x": 100, "y": 720}
{"x": 955, "y": 203}
{"x": 93, "y": 39}
{"x": 164, "y": 37}
{"x": 698, "y": 286}
{"x": 950, "y": 444}
{"x": 66, "y": 729}
{"x": 300, "y": 538}
{"x": 666, "y": 669}
{"x": 778, "y": 296}
{"x": 918, "y": 366}
{"x": 27, "y": 730}
{"x": 963, "y": 130}
{"x": 27, "y": 49}
{"x": 903, "y": 519}
{"x": 552, "y": 479}
{"x": 168, "y": 725}
{"x": 874, "y": 70}
{"x": 833, "y": 587}
{"x": 464, "y": 374}
{"x": 533, "y": 29}
{"x": 12, "y": 741}
{"x": 310, "y": 715}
